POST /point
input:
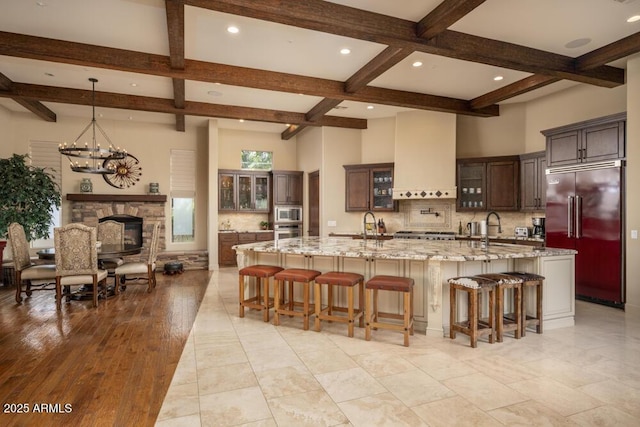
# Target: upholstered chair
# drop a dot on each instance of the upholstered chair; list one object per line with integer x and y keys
{"x": 29, "y": 277}
{"x": 77, "y": 262}
{"x": 141, "y": 272}
{"x": 111, "y": 233}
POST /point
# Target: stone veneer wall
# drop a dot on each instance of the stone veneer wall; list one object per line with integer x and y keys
{"x": 90, "y": 211}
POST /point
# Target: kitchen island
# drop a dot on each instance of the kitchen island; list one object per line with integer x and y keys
{"x": 430, "y": 263}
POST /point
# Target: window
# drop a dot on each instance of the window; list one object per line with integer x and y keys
{"x": 183, "y": 193}
{"x": 262, "y": 160}
{"x": 44, "y": 154}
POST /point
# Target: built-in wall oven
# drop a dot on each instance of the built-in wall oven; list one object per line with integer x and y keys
{"x": 286, "y": 231}
{"x": 287, "y": 214}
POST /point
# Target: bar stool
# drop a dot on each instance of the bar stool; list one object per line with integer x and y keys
{"x": 345, "y": 280}
{"x": 475, "y": 327}
{"x": 530, "y": 280}
{"x": 261, "y": 301}
{"x": 294, "y": 275}
{"x": 507, "y": 322}
{"x": 394, "y": 284}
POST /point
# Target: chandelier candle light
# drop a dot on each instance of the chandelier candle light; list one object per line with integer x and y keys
{"x": 94, "y": 156}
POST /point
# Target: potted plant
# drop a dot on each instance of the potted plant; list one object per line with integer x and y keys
{"x": 28, "y": 195}
{"x": 264, "y": 225}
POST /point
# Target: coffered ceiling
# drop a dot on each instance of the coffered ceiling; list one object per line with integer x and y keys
{"x": 175, "y": 61}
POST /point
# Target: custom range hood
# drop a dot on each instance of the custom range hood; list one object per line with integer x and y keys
{"x": 425, "y": 156}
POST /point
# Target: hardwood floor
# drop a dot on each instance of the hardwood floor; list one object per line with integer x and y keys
{"x": 109, "y": 366}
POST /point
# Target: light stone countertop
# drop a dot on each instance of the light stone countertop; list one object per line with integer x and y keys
{"x": 437, "y": 250}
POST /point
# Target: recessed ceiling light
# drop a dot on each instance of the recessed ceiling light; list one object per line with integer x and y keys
{"x": 241, "y": 120}
{"x": 369, "y": 107}
{"x": 233, "y": 29}
{"x": 417, "y": 64}
{"x": 498, "y": 78}
{"x": 634, "y": 18}
{"x": 134, "y": 84}
{"x": 130, "y": 117}
{"x": 345, "y": 51}
{"x": 573, "y": 44}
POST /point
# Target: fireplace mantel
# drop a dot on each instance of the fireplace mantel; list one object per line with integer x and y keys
{"x": 90, "y": 197}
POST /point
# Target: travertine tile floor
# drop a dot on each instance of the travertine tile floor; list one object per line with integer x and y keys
{"x": 246, "y": 372}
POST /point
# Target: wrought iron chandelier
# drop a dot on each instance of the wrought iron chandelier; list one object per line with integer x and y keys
{"x": 93, "y": 155}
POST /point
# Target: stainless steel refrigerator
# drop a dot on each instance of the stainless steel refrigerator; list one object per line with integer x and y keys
{"x": 585, "y": 212}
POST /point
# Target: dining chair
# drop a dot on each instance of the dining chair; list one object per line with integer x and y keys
{"x": 111, "y": 233}
{"x": 77, "y": 262}
{"x": 144, "y": 271}
{"x": 29, "y": 277}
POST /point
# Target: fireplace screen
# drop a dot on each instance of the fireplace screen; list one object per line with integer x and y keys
{"x": 132, "y": 228}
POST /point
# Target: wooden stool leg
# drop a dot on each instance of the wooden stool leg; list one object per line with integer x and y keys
{"x": 411, "y": 311}
{"x": 492, "y": 319}
{"x": 368, "y": 314}
{"x": 330, "y": 299}
{"x": 452, "y": 311}
{"x": 265, "y": 303}
{"x": 539, "y": 307}
{"x": 361, "y": 302}
{"x": 523, "y": 310}
{"x": 241, "y": 295}
{"x": 518, "y": 311}
{"x": 473, "y": 317}
{"x": 306, "y": 306}
{"x": 318, "y": 300}
{"x": 499, "y": 313}
{"x": 407, "y": 313}
{"x": 350, "y": 310}
{"x": 279, "y": 284}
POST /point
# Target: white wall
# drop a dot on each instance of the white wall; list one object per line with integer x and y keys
{"x": 492, "y": 136}
{"x": 378, "y": 141}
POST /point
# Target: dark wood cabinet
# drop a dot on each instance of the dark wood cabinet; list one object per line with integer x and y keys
{"x": 226, "y": 255}
{"x": 589, "y": 141}
{"x": 488, "y": 183}
{"x": 533, "y": 182}
{"x": 287, "y": 188}
{"x": 369, "y": 187}
{"x": 226, "y": 241}
{"x": 243, "y": 191}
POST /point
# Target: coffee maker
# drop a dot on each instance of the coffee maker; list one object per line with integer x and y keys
{"x": 538, "y": 227}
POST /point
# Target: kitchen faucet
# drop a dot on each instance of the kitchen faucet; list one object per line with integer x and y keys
{"x": 375, "y": 228}
{"x": 486, "y": 236}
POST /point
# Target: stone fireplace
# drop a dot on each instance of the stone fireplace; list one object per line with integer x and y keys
{"x": 93, "y": 208}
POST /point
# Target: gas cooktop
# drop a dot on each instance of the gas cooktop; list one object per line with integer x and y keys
{"x": 425, "y": 235}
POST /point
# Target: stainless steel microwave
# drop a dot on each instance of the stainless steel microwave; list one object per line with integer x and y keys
{"x": 288, "y": 214}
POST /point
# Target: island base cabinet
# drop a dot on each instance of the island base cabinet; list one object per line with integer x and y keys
{"x": 559, "y": 296}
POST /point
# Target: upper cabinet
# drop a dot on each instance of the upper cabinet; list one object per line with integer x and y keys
{"x": 590, "y": 141}
{"x": 369, "y": 187}
{"x": 533, "y": 183}
{"x": 287, "y": 187}
{"x": 243, "y": 191}
{"x": 488, "y": 183}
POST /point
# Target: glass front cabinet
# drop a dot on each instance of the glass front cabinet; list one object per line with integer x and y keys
{"x": 243, "y": 191}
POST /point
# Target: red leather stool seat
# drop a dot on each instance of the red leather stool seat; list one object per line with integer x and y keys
{"x": 261, "y": 300}
{"x": 292, "y": 276}
{"x": 372, "y": 314}
{"x": 344, "y": 280}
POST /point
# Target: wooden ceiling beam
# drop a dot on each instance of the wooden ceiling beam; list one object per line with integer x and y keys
{"x": 444, "y": 15}
{"x": 160, "y": 105}
{"x": 617, "y": 50}
{"x": 23, "y": 46}
{"x": 33, "y": 105}
{"x": 175, "y": 29}
{"x": 347, "y": 21}
{"x": 291, "y": 131}
{"x": 509, "y": 91}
